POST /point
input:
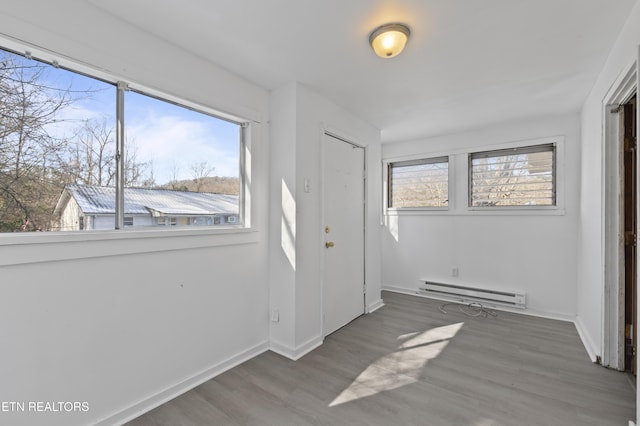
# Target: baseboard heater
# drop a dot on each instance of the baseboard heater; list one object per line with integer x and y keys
{"x": 463, "y": 294}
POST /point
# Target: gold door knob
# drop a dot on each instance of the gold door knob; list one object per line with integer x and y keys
{"x": 329, "y": 244}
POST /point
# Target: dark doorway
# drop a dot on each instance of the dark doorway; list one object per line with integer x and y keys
{"x": 630, "y": 232}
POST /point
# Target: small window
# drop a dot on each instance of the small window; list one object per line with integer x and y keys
{"x": 201, "y": 220}
{"x": 419, "y": 183}
{"x": 166, "y": 221}
{"x": 524, "y": 176}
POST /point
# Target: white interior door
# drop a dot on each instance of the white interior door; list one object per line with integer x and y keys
{"x": 344, "y": 207}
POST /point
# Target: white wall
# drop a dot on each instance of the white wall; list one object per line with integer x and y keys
{"x": 591, "y": 241}
{"x": 123, "y": 321}
{"x": 534, "y": 252}
{"x": 298, "y": 117}
{"x": 283, "y": 217}
{"x": 316, "y": 112}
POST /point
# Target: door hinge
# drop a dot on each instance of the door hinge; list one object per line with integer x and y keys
{"x": 630, "y": 238}
{"x": 631, "y": 350}
{"x": 630, "y": 144}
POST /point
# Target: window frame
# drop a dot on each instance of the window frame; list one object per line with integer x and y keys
{"x": 244, "y": 146}
{"x": 459, "y": 181}
{"x": 242, "y": 232}
{"x": 422, "y": 159}
{"x": 515, "y": 150}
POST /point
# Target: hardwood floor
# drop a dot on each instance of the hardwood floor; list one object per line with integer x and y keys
{"x": 410, "y": 364}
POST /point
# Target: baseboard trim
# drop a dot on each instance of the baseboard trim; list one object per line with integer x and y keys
{"x": 308, "y": 346}
{"x": 178, "y": 389}
{"x": 375, "y": 306}
{"x": 282, "y": 349}
{"x": 528, "y": 311}
{"x": 295, "y": 354}
{"x": 587, "y": 341}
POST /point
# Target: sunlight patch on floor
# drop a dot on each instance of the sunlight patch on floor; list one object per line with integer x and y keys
{"x": 487, "y": 422}
{"x": 402, "y": 367}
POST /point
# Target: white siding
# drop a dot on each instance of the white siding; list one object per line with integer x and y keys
{"x": 70, "y": 217}
{"x": 143, "y": 220}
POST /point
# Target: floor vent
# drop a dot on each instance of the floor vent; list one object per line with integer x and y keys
{"x": 463, "y": 294}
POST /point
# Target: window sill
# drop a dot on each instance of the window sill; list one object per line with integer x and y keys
{"x": 21, "y": 248}
{"x": 417, "y": 210}
{"x": 481, "y": 211}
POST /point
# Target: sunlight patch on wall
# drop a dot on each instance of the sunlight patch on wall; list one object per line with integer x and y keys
{"x": 245, "y": 171}
{"x": 402, "y": 367}
{"x": 288, "y": 225}
{"x": 392, "y": 226}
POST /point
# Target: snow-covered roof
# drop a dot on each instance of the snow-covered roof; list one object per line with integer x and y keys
{"x": 102, "y": 200}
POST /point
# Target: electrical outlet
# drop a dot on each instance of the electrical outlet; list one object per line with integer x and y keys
{"x": 454, "y": 271}
{"x": 275, "y": 315}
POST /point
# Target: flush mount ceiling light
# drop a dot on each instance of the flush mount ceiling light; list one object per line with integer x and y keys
{"x": 389, "y": 40}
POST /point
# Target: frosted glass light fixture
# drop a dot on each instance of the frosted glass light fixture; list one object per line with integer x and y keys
{"x": 389, "y": 40}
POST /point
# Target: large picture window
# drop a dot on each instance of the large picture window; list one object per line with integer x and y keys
{"x": 58, "y": 165}
{"x": 422, "y": 183}
{"x": 516, "y": 177}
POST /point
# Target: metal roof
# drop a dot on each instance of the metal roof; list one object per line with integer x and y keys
{"x": 102, "y": 200}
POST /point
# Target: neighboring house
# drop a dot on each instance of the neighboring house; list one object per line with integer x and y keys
{"x": 83, "y": 207}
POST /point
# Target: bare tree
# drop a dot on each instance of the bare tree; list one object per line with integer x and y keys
{"x": 175, "y": 172}
{"x": 199, "y": 172}
{"x": 42, "y": 150}
{"x": 518, "y": 179}
{"x": 28, "y": 109}
{"x": 150, "y": 180}
{"x": 133, "y": 170}
{"x": 89, "y": 158}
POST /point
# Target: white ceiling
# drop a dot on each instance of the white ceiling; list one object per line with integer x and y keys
{"x": 469, "y": 63}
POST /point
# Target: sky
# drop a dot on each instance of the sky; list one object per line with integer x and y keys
{"x": 171, "y": 138}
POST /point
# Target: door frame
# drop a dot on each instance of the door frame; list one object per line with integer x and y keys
{"x": 342, "y": 136}
{"x": 614, "y": 281}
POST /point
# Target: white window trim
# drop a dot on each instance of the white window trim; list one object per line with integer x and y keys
{"x": 556, "y": 209}
{"x": 427, "y": 160}
{"x": 32, "y": 248}
{"x": 245, "y": 232}
{"x": 458, "y": 191}
{"x": 396, "y": 211}
{"x": 548, "y": 148}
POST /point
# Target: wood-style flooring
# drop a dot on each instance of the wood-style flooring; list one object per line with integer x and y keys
{"x": 410, "y": 364}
